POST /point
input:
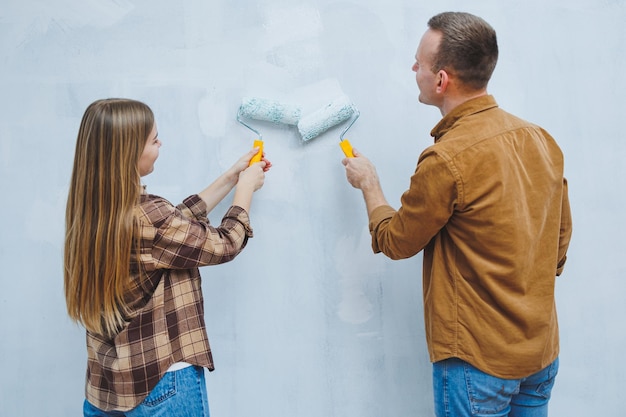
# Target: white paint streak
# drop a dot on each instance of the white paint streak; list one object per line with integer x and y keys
{"x": 95, "y": 13}
{"x": 291, "y": 38}
{"x": 355, "y": 307}
{"x": 291, "y": 24}
{"x": 63, "y": 14}
{"x": 212, "y": 115}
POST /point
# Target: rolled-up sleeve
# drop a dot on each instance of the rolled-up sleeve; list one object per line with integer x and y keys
{"x": 182, "y": 236}
{"x": 425, "y": 208}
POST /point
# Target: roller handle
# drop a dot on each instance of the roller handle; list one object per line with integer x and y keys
{"x": 257, "y": 157}
{"x": 346, "y": 147}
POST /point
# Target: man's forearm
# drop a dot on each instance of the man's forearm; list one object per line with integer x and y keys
{"x": 374, "y": 197}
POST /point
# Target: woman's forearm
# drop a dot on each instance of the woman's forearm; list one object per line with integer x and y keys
{"x": 243, "y": 196}
{"x": 219, "y": 189}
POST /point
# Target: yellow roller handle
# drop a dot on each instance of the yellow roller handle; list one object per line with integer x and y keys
{"x": 257, "y": 157}
{"x": 346, "y": 147}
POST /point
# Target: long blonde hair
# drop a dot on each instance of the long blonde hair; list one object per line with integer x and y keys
{"x": 99, "y": 221}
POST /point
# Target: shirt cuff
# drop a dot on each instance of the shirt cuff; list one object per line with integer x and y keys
{"x": 239, "y": 214}
{"x": 377, "y": 216}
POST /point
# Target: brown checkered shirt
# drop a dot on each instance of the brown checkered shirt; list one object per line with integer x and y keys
{"x": 167, "y": 320}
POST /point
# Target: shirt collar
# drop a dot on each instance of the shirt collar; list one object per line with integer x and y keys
{"x": 472, "y": 106}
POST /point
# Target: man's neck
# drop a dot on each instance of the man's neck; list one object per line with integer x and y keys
{"x": 453, "y": 101}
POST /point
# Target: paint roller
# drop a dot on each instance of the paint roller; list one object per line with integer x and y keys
{"x": 266, "y": 110}
{"x": 337, "y": 111}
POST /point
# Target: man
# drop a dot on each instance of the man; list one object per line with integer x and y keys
{"x": 488, "y": 205}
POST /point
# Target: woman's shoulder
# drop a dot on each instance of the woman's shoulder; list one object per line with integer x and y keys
{"x": 153, "y": 209}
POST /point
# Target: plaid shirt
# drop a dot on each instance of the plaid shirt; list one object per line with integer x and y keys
{"x": 166, "y": 324}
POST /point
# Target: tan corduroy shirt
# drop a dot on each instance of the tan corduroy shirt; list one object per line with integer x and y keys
{"x": 488, "y": 204}
{"x": 166, "y": 324}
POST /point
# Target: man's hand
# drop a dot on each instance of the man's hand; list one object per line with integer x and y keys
{"x": 361, "y": 174}
{"x": 360, "y": 171}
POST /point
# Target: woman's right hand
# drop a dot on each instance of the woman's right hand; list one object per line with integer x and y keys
{"x": 253, "y": 176}
{"x": 246, "y": 179}
{"x": 250, "y": 180}
{"x": 243, "y": 163}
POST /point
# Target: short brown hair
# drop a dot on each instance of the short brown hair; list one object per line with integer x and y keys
{"x": 468, "y": 48}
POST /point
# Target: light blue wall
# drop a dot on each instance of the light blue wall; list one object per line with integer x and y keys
{"x": 307, "y": 321}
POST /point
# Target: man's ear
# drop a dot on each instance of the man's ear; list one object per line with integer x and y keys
{"x": 443, "y": 80}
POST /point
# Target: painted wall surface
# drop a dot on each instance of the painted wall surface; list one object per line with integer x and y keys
{"x": 307, "y": 321}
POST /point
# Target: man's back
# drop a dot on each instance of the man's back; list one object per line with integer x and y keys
{"x": 496, "y": 257}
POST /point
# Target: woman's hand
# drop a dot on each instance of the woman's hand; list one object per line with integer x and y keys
{"x": 253, "y": 177}
{"x": 243, "y": 163}
{"x": 249, "y": 178}
{"x": 268, "y": 164}
{"x": 253, "y": 180}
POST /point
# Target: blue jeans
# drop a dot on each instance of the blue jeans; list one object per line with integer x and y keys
{"x": 461, "y": 390}
{"x": 180, "y": 393}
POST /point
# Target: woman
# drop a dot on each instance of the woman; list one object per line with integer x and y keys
{"x": 131, "y": 265}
